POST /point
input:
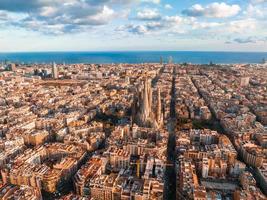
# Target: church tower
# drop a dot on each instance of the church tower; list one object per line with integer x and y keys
{"x": 142, "y": 112}
{"x": 159, "y": 116}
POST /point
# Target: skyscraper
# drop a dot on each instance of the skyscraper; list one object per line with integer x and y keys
{"x": 54, "y": 71}
{"x": 161, "y": 60}
{"x": 170, "y": 60}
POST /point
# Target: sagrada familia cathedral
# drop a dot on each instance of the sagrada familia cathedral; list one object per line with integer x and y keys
{"x": 142, "y": 111}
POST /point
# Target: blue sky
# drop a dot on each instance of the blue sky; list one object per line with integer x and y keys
{"x": 118, "y": 25}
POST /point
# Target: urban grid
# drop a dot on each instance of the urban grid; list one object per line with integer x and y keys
{"x": 133, "y": 131}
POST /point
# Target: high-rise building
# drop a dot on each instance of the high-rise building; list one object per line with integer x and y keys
{"x": 54, "y": 71}
{"x": 170, "y": 60}
{"x": 2, "y": 65}
{"x": 11, "y": 67}
{"x": 161, "y": 60}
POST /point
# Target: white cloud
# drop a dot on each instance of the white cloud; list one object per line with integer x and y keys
{"x": 256, "y": 11}
{"x": 206, "y": 25}
{"x": 48, "y": 11}
{"x": 168, "y": 6}
{"x": 258, "y": 1}
{"x": 176, "y": 20}
{"x": 167, "y": 24}
{"x": 151, "y": 1}
{"x": 216, "y": 10}
{"x": 102, "y": 17}
{"x": 3, "y": 16}
{"x": 67, "y": 16}
{"x": 148, "y": 14}
{"x": 135, "y": 29}
{"x": 196, "y": 28}
{"x": 247, "y": 40}
{"x": 242, "y": 26}
{"x": 82, "y": 16}
{"x": 147, "y": 28}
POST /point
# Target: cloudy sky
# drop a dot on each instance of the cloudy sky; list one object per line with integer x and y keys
{"x": 104, "y": 25}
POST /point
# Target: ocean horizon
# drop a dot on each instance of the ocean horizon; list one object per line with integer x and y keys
{"x": 105, "y": 57}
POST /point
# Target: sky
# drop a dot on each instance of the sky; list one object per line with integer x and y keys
{"x": 128, "y": 25}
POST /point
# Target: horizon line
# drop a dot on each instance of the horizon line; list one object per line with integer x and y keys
{"x": 121, "y": 51}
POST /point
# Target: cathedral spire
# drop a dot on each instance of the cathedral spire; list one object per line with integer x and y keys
{"x": 143, "y": 113}
{"x": 158, "y": 112}
{"x": 145, "y": 103}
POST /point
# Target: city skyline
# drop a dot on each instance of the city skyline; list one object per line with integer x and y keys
{"x": 148, "y": 131}
{"x": 116, "y": 25}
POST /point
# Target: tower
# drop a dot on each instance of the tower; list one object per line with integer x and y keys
{"x": 145, "y": 101}
{"x": 12, "y": 67}
{"x": 150, "y": 95}
{"x": 161, "y": 60}
{"x": 142, "y": 112}
{"x": 170, "y": 60}
{"x": 54, "y": 71}
{"x": 159, "y": 116}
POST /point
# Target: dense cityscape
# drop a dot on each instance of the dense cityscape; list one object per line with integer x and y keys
{"x": 133, "y": 131}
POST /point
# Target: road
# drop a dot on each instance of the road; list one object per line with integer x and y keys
{"x": 170, "y": 172}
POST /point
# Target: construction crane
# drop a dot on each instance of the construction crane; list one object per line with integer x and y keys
{"x": 138, "y": 166}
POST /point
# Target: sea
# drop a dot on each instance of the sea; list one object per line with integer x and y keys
{"x": 195, "y": 57}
